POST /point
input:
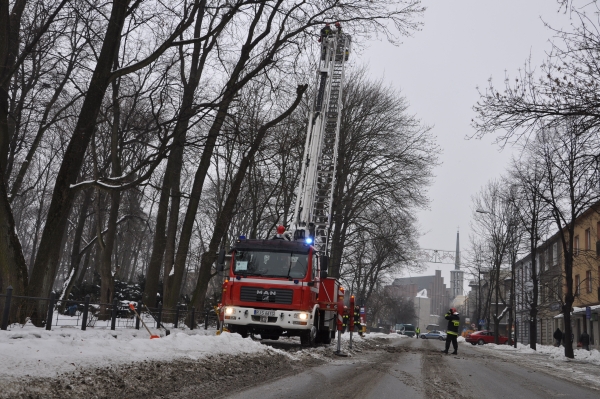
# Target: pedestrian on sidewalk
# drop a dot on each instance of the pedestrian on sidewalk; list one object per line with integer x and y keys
{"x": 558, "y": 336}
{"x": 585, "y": 341}
{"x": 452, "y": 331}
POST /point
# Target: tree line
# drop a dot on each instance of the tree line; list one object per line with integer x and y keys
{"x": 137, "y": 138}
{"x": 550, "y": 114}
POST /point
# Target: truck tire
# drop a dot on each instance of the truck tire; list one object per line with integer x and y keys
{"x": 307, "y": 338}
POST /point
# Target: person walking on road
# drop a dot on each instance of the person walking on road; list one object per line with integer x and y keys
{"x": 585, "y": 341}
{"x": 452, "y": 330}
{"x": 558, "y": 336}
{"x": 418, "y": 331}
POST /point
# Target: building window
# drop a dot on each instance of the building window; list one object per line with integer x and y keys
{"x": 576, "y": 245}
{"x": 555, "y": 254}
{"x": 588, "y": 240}
{"x": 588, "y": 278}
{"x": 577, "y": 283}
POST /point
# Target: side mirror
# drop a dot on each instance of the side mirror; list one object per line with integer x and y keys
{"x": 221, "y": 260}
{"x": 324, "y": 274}
{"x": 324, "y": 262}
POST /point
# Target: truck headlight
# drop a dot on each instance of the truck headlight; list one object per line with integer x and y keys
{"x": 229, "y": 311}
{"x": 301, "y": 316}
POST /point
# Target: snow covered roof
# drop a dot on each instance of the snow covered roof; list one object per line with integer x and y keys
{"x": 422, "y": 293}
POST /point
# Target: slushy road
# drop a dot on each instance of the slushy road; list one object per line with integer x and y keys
{"x": 415, "y": 368}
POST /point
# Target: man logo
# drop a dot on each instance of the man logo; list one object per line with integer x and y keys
{"x": 266, "y": 294}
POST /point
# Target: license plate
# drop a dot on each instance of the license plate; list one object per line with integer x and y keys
{"x": 264, "y": 312}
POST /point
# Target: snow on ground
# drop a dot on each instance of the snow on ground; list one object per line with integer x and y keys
{"x": 554, "y": 353}
{"x": 36, "y": 352}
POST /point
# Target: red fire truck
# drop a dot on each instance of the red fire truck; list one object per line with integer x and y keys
{"x": 276, "y": 288}
{"x": 279, "y": 287}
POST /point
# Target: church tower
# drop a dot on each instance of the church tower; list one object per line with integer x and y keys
{"x": 456, "y": 275}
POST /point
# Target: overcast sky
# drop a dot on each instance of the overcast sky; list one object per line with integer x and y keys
{"x": 461, "y": 45}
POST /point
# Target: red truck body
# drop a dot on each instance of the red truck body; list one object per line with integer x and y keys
{"x": 276, "y": 288}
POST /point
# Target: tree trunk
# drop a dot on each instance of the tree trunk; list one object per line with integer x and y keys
{"x": 13, "y": 269}
{"x": 569, "y": 297}
{"x": 46, "y": 261}
{"x": 76, "y": 255}
{"x": 533, "y": 309}
{"x": 164, "y": 241}
{"x": 107, "y": 279}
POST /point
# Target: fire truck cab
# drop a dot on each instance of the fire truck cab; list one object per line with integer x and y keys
{"x": 276, "y": 288}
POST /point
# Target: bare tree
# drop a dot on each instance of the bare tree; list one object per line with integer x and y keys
{"x": 385, "y": 161}
{"x": 494, "y": 224}
{"x": 565, "y": 86}
{"x": 529, "y": 177}
{"x": 568, "y": 157}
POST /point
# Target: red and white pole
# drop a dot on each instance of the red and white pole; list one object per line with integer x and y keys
{"x": 351, "y": 314}
{"x": 340, "y": 318}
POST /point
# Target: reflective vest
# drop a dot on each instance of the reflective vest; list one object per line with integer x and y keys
{"x": 453, "y": 323}
{"x": 357, "y": 317}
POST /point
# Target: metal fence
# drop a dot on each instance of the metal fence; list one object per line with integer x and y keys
{"x": 49, "y": 312}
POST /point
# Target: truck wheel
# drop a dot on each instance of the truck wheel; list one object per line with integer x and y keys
{"x": 308, "y": 337}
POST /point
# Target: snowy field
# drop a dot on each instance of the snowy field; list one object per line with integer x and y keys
{"x": 36, "y": 352}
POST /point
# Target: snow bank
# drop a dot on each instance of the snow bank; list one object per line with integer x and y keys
{"x": 556, "y": 353}
{"x": 49, "y": 353}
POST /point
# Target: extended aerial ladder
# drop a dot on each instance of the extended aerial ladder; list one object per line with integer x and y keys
{"x": 314, "y": 199}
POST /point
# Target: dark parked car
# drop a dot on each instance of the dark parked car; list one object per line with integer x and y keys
{"x": 434, "y": 335}
{"x": 485, "y": 337}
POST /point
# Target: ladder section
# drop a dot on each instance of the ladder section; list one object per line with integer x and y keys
{"x": 317, "y": 178}
{"x": 326, "y": 163}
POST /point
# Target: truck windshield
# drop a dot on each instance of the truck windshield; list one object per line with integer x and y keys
{"x": 409, "y": 327}
{"x": 270, "y": 264}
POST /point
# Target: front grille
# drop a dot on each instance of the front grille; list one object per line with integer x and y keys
{"x": 266, "y": 295}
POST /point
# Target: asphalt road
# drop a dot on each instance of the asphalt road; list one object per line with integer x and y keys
{"x": 415, "y": 368}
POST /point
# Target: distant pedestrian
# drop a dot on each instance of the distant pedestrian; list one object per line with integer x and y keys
{"x": 418, "y": 331}
{"x": 585, "y": 341}
{"x": 452, "y": 331}
{"x": 558, "y": 336}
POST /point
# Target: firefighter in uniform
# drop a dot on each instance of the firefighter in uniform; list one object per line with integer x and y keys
{"x": 452, "y": 330}
{"x": 357, "y": 320}
{"x": 345, "y": 319}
